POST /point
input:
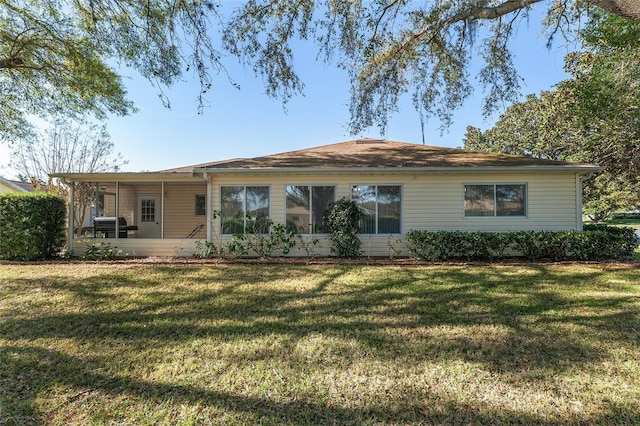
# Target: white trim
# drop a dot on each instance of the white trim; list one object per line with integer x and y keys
{"x": 71, "y": 217}
{"x": 117, "y": 206}
{"x": 401, "y": 221}
{"x": 129, "y": 177}
{"x": 209, "y": 210}
{"x": 244, "y": 203}
{"x": 310, "y": 186}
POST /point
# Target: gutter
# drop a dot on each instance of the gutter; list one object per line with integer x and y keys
{"x": 128, "y": 177}
{"x": 582, "y": 169}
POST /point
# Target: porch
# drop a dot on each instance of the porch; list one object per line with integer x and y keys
{"x": 154, "y": 218}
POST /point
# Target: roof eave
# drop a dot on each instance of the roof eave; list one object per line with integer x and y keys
{"x": 576, "y": 168}
{"x": 127, "y": 177}
{"x": 193, "y": 176}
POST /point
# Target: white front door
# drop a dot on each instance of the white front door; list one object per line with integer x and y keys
{"x": 149, "y": 216}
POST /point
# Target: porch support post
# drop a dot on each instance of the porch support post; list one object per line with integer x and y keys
{"x": 71, "y": 217}
{"x": 205, "y": 175}
{"x": 162, "y": 211}
{"x": 117, "y": 223}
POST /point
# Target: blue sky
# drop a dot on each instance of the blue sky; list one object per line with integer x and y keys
{"x": 246, "y": 123}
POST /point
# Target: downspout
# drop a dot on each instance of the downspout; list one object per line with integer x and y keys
{"x": 580, "y": 179}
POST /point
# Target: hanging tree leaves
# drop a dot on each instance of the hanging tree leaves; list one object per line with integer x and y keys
{"x": 60, "y": 56}
{"x": 398, "y": 47}
{"x": 57, "y": 56}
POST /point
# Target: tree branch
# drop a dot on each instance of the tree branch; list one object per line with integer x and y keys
{"x": 471, "y": 13}
{"x": 628, "y": 8}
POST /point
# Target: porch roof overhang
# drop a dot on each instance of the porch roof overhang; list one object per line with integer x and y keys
{"x": 128, "y": 177}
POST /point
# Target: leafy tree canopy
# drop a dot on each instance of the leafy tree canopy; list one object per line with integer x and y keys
{"x": 592, "y": 117}
{"x": 58, "y": 56}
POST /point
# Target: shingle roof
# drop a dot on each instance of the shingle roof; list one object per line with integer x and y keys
{"x": 375, "y": 153}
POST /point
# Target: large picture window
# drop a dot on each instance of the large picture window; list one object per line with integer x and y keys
{"x": 306, "y": 207}
{"x": 495, "y": 200}
{"x": 381, "y": 207}
{"x": 244, "y": 207}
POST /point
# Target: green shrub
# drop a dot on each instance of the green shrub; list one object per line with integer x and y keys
{"x": 102, "y": 251}
{"x": 626, "y": 215}
{"x": 261, "y": 237}
{"x": 32, "y": 225}
{"x": 536, "y": 245}
{"x": 596, "y": 242}
{"x": 343, "y": 220}
{"x": 445, "y": 245}
{"x": 610, "y": 242}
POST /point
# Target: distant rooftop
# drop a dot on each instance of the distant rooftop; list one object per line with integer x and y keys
{"x": 18, "y": 185}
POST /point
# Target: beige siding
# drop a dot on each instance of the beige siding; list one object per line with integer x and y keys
{"x": 430, "y": 202}
{"x": 180, "y": 217}
{"x": 435, "y": 202}
{"x": 6, "y": 188}
{"x": 179, "y": 206}
{"x": 126, "y": 202}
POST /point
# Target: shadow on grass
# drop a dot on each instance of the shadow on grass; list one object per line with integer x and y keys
{"x": 172, "y": 306}
{"x": 40, "y": 368}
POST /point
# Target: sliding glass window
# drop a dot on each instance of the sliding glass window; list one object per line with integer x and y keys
{"x": 244, "y": 208}
{"x": 495, "y": 200}
{"x": 306, "y": 207}
{"x": 381, "y": 205}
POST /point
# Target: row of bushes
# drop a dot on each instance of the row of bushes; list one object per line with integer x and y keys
{"x": 595, "y": 242}
{"x": 32, "y": 225}
{"x": 626, "y": 215}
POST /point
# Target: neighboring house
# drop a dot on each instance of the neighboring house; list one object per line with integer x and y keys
{"x": 14, "y": 186}
{"x": 399, "y": 186}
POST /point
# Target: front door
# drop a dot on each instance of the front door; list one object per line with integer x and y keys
{"x": 149, "y": 216}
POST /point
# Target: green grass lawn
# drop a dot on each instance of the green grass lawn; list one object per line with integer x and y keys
{"x": 321, "y": 344}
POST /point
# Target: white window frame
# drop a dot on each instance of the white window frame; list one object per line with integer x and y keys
{"x": 310, "y": 186}
{"x": 244, "y": 205}
{"x": 495, "y": 201}
{"x": 377, "y": 185}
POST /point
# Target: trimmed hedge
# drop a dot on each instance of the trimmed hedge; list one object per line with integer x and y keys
{"x": 596, "y": 242}
{"x": 32, "y": 225}
{"x": 626, "y": 215}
